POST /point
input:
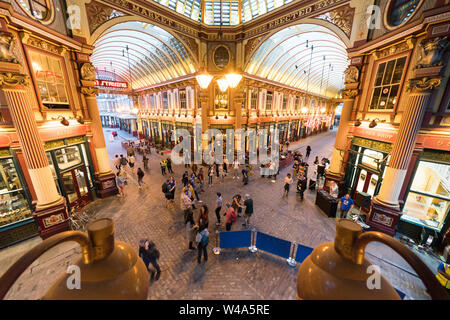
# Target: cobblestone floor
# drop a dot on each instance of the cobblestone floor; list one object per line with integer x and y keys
{"x": 235, "y": 273}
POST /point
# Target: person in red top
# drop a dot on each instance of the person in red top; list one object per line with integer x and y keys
{"x": 230, "y": 216}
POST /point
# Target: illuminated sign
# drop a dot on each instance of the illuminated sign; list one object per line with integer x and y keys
{"x": 110, "y": 84}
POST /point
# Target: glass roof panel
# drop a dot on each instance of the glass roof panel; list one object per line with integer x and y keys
{"x": 153, "y": 54}
{"x": 286, "y": 57}
{"x": 225, "y": 12}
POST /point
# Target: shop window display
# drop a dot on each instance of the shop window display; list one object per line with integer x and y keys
{"x": 428, "y": 200}
{"x": 14, "y": 206}
{"x": 50, "y": 80}
{"x": 68, "y": 157}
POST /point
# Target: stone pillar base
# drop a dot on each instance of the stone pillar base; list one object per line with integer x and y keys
{"x": 141, "y": 135}
{"x": 135, "y": 133}
{"x": 106, "y": 185}
{"x": 339, "y": 179}
{"x": 52, "y": 220}
{"x": 383, "y": 218}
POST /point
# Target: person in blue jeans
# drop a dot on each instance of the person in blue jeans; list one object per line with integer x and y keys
{"x": 346, "y": 205}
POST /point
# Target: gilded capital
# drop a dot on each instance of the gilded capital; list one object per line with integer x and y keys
{"x": 349, "y": 94}
{"x": 13, "y": 79}
{"x": 425, "y": 83}
{"x": 89, "y": 91}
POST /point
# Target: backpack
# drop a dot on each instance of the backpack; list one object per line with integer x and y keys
{"x": 233, "y": 216}
{"x": 123, "y": 161}
{"x": 205, "y": 240}
{"x": 165, "y": 187}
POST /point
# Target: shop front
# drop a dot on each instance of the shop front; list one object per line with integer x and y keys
{"x": 167, "y": 132}
{"x": 283, "y": 128}
{"x": 70, "y": 163}
{"x": 427, "y": 198}
{"x": 16, "y": 219}
{"x": 365, "y": 166}
{"x": 294, "y": 131}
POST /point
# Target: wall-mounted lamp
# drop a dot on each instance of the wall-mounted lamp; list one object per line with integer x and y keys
{"x": 80, "y": 120}
{"x": 226, "y": 117}
{"x": 357, "y": 123}
{"x": 64, "y": 121}
{"x": 217, "y": 117}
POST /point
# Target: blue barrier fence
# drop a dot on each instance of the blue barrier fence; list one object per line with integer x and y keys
{"x": 235, "y": 239}
{"x": 302, "y": 253}
{"x": 279, "y": 247}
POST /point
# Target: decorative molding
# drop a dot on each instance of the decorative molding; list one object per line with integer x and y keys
{"x": 395, "y": 49}
{"x": 190, "y": 43}
{"x": 89, "y": 91}
{"x": 349, "y": 94}
{"x": 13, "y": 79}
{"x": 41, "y": 44}
{"x": 98, "y": 13}
{"x": 341, "y": 17}
{"x": 425, "y": 83}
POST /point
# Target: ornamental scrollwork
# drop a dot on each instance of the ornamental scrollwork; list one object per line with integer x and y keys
{"x": 13, "y": 79}
{"x": 424, "y": 83}
{"x": 89, "y": 91}
{"x": 349, "y": 94}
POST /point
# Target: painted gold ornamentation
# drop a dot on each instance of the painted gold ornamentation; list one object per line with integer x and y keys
{"x": 89, "y": 91}
{"x": 351, "y": 74}
{"x": 349, "y": 94}
{"x": 424, "y": 83}
{"x": 13, "y": 79}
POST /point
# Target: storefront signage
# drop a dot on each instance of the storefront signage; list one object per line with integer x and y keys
{"x": 371, "y": 144}
{"x": 5, "y": 153}
{"x": 110, "y": 84}
{"x": 52, "y": 220}
{"x": 382, "y": 219}
{"x": 375, "y": 133}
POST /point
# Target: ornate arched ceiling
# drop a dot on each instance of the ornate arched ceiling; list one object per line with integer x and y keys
{"x": 154, "y": 55}
{"x": 284, "y": 58}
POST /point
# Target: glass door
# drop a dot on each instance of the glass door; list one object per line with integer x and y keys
{"x": 76, "y": 186}
{"x": 366, "y": 182}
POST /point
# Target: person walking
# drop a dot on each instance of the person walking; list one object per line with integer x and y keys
{"x": 190, "y": 227}
{"x": 185, "y": 178}
{"x": 121, "y": 181}
{"x": 163, "y": 165}
{"x": 210, "y": 175}
{"x": 217, "y": 170}
{"x": 169, "y": 165}
{"x": 202, "y": 240}
{"x": 194, "y": 187}
{"x": 131, "y": 161}
{"x": 150, "y": 255}
{"x": 117, "y": 162}
{"x": 287, "y": 183}
{"x": 301, "y": 185}
{"x": 203, "y": 217}
{"x": 230, "y": 216}
{"x": 308, "y": 152}
{"x": 218, "y": 207}
{"x": 123, "y": 162}
{"x": 221, "y": 172}
{"x": 346, "y": 205}
{"x": 236, "y": 169}
{"x": 145, "y": 161}
{"x": 140, "y": 176}
{"x": 248, "y": 204}
{"x": 171, "y": 186}
{"x": 201, "y": 179}
{"x": 186, "y": 204}
{"x": 190, "y": 192}
{"x": 245, "y": 175}
{"x": 225, "y": 165}
{"x": 165, "y": 190}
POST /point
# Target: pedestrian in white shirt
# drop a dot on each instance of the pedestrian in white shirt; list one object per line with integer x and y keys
{"x": 287, "y": 183}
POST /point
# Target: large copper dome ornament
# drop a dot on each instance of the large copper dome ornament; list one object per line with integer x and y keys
{"x": 339, "y": 271}
{"x": 109, "y": 270}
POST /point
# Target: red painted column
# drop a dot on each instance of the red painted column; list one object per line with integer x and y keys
{"x": 51, "y": 211}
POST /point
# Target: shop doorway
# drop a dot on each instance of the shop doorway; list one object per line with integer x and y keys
{"x": 75, "y": 184}
{"x": 366, "y": 182}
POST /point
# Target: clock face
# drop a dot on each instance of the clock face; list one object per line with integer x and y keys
{"x": 37, "y": 9}
{"x": 401, "y": 10}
